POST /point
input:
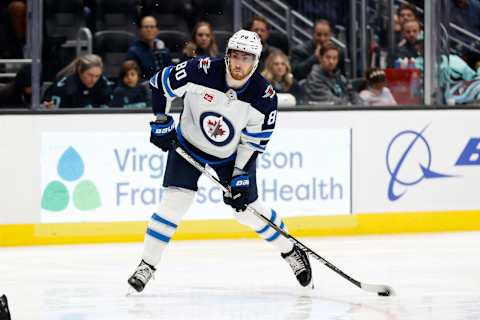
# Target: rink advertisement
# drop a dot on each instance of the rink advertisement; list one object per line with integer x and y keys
{"x": 119, "y": 177}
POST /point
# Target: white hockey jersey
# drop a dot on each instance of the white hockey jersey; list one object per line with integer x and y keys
{"x": 218, "y": 120}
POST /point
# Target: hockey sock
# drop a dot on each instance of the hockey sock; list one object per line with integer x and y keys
{"x": 263, "y": 229}
{"x": 164, "y": 222}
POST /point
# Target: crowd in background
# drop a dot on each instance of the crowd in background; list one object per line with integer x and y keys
{"x": 314, "y": 72}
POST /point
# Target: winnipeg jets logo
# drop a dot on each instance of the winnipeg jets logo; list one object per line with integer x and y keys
{"x": 269, "y": 92}
{"x": 216, "y": 128}
{"x": 204, "y": 64}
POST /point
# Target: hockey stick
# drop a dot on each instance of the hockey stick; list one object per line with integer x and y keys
{"x": 382, "y": 290}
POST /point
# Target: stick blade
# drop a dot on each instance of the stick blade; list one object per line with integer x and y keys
{"x": 380, "y": 289}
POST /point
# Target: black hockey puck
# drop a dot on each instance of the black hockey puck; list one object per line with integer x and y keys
{"x": 384, "y": 294}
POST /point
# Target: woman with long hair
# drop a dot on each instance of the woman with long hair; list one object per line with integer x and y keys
{"x": 80, "y": 84}
{"x": 279, "y": 72}
{"x": 202, "y": 42}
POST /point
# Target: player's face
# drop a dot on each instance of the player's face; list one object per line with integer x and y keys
{"x": 131, "y": 78}
{"x": 90, "y": 76}
{"x": 241, "y": 63}
{"x": 279, "y": 67}
{"x": 203, "y": 37}
{"x": 322, "y": 34}
{"x": 329, "y": 60}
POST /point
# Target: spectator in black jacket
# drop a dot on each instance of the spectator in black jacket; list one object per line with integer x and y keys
{"x": 18, "y": 93}
{"x": 80, "y": 85}
{"x": 149, "y": 52}
{"x": 130, "y": 94}
{"x": 326, "y": 85}
{"x": 307, "y": 55}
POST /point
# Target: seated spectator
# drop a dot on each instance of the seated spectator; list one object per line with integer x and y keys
{"x": 81, "y": 85}
{"x": 18, "y": 93}
{"x": 406, "y": 13}
{"x": 202, "y": 43}
{"x": 325, "y": 84}
{"x": 307, "y": 55}
{"x": 410, "y": 46}
{"x": 377, "y": 94}
{"x": 260, "y": 25}
{"x": 130, "y": 93}
{"x": 149, "y": 52}
{"x": 279, "y": 73}
{"x": 15, "y": 33}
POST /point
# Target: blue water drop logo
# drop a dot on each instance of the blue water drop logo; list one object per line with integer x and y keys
{"x": 70, "y": 166}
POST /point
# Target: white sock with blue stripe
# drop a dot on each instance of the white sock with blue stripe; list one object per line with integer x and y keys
{"x": 164, "y": 222}
{"x": 263, "y": 229}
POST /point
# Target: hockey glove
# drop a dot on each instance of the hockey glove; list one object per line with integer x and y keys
{"x": 239, "y": 187}
{"x": 163, "y": 133}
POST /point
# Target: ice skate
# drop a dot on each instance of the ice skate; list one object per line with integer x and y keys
{"x": 4, "y": 312}
{"x": 141, "y": 276}
{"x": 298, "y": 261}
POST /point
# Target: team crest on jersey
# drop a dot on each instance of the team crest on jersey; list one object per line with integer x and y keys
{"x": 216, "y": 128}
{"x": 269, "y": 92}
{"x": 204, "y": 64}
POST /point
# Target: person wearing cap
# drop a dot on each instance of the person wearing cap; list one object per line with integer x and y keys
{"x": 229, "y": 115}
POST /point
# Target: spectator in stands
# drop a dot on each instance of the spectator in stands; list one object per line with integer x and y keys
{"x": 377, "y": 93}
{"x": 279, "y": 72}
{"x": 307, "y": 55}
{"x": 325, "y": 84}
{"x": 260, "y": 25}
{"x": 149, "y": 52}
{"x": 18, "y": 93}
{"x": 410, "y": 46}
{"x": 81, "y": 85}
{"x": 130, "y": 94}
{"x": 202, "y": 43}
{"x": 406, "y": 13}
{"x": 14, "y": 35}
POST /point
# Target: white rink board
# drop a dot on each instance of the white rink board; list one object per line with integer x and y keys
{"x": 446, "y": 132}
{"x": 127, "y": 172}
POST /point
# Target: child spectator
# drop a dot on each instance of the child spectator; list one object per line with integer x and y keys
{"x": 279, "y": 72}
{"x": 202, "y": 43}
{"x": 129, "y": 93}
{"x": 81, "y": 85}
{"x": 377, "y": 94}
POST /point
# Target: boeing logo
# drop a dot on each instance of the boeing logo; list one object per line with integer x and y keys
{"x": 409, "y": 160}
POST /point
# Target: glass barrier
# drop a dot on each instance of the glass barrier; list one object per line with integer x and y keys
{"x": 324, "y": 53}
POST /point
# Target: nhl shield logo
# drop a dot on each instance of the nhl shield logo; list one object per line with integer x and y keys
{"x": 216, "y": 128}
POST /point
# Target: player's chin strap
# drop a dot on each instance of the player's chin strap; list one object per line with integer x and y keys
{"x": 382, "y": 290}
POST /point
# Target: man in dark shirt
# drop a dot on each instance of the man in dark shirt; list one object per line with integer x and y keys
{"x": 149, "y": 52}
{"x": 260, "y": 25}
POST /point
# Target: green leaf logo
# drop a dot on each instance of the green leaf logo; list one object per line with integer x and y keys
{"x": 86, "y": 196}
{"x": 55, "y": 197}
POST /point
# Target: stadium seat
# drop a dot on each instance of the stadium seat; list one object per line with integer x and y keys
{"x": 171, "y": 21}
{"x": 174, "y": 41}
{"x": 222, "y": 37}
{"x": 63, "y": 18}
{"x": 279, "y": 40}
{"x": 116, "y": 15}
{"x": 112, "y": 46}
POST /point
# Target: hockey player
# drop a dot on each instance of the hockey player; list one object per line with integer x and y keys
{"x": 229, "y": 115}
